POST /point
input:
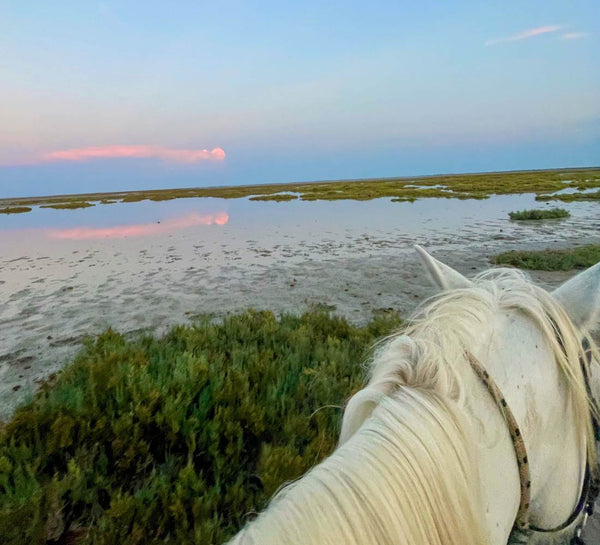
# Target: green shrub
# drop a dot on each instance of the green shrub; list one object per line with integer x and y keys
{"x": 177, "y": 439}
{"x": 539, "y": 214}
{"x": 581, "y": 257}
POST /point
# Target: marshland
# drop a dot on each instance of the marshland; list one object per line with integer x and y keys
{"x": 208, "y": 220}
{"x": 548, "y": 185}
{"x": 170, "y": 360}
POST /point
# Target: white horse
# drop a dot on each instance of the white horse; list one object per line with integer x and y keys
{"x": 425, "y": 456}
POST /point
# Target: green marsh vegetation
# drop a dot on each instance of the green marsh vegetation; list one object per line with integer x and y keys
{"x": 537, "y": 214}
{"x": 544, "y": 183}
{"x": 177, "y": 439}
{"x": 68, "y": 205}
{"x": 15, "y": 210}
{"x": 580, "y": 257}
{"x": 571, "y": 197}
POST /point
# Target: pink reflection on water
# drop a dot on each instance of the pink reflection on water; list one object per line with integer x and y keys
{"x": 145, "y": 229}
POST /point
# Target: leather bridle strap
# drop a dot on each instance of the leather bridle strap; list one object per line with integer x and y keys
{"x": 522, "y": 520}
{"x": 590, "y": 487}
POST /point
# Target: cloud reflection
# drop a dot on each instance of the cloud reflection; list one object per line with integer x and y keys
{"x": 122, "y": 231}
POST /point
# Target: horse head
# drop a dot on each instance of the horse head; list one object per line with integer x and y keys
{"x": 553, "y": 498}
{"x": 426, "y": 453}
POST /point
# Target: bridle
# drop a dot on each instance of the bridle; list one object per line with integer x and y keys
{"x": 590, "y": 489}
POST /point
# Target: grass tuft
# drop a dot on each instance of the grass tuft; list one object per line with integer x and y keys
{"x": 176, "y": 439}
{"x": 580, "y": 257}
{"x": 537, "y": 214}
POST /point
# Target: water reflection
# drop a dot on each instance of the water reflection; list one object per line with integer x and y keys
{"x": 121, "y": 231}
{"x": 270, "y": 224}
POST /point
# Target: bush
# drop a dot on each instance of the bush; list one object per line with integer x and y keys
{"x": 539, "y": 214}
{"x": 178, "y": 438}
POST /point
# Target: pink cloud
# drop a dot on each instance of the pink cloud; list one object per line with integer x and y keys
{"x": 118, "y": 152}
{"x": 144, "y": 229}
{"x": 530, "y": 33}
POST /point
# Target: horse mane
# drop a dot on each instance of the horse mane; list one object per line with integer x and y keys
{"x": 405, "y": 477}
{"x": 430, "y": 352}
{"x": 403, "y": 471}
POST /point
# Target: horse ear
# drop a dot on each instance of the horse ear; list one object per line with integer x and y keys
{"x": 358, "y": 409}
{"x": 444, "y": 277}
{"x": 580, "y": 297}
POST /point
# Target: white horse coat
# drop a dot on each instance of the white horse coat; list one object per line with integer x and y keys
{"x": 425, "y": 456}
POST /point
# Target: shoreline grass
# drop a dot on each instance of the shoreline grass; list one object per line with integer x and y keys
{"x": 178, "y": 438}
{"x": 544, "y": 183}
{"x": 537, "y": 214}
{"x": 580, "y": 257}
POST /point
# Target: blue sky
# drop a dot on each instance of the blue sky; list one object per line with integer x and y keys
{"x": 102, "y": 96}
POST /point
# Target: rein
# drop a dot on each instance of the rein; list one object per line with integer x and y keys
{"x": 591, "y": 484}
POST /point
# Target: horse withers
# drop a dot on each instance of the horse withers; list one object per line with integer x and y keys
{"x": 476, "y": 425}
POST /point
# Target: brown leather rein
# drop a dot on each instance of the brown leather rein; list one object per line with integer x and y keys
{"x": 591, "y": 484}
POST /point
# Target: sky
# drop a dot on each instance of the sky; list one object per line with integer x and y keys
{"x": 111, "y": 96}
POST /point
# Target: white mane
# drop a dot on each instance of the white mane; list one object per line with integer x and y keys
{"x": 429, "y": 353}
{"x": 403, "y": 472}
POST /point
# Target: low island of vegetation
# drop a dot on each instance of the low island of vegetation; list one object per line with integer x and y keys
{"x": 579, "y": 257}
{"x": 15, "y": 209}
{"x": 537, "y": 214}
{"x": 68, "y": 205}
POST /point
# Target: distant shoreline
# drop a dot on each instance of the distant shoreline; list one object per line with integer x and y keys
{"x": 484, "y": 184}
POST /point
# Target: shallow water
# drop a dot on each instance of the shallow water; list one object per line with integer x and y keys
{"x": 57, "y": 246}
{"x": 245, "y": 223}
{"x": 147, "y": 265}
